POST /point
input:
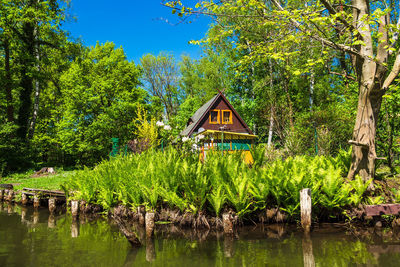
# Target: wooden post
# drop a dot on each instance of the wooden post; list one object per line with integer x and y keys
{"x": 36, "y": 201}
{"x": 24, "y": 199}
{"x": 305, "y": 209}
{"x": 75, "y": 208}
{"x": 52, "y": 205}
{"x": 149, "y": 224}
{"x": 227, "y": 223}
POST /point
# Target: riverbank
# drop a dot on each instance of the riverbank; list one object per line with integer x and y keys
{"x": 184, "y": 191}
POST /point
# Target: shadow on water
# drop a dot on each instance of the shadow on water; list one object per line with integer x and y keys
{"x": 31, "y": 237}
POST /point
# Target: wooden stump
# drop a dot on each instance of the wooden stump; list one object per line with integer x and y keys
{"x": 227, "y": 222}
{"x": 305, "y": 209}
{"x": 24, "y": 199}
{"x": 75, "y": 208}
{"x": 150, "y": 224}
{"x": 52, "y": 205}
{"x": 36, "y": 201}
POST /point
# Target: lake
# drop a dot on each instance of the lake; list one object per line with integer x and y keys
{"x": 36, "y": 238}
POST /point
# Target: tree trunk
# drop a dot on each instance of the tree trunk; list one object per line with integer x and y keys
{"x": 8, "y": 82}
{"x": 271, "y": 127}
{"x": 26, "y": 80}
{"x": 364, "y": 133}
{"x": 289, "y": 100}
{"x": 389, "y": 150}
{"x": 372, "y": 86}
{"x": 32, "y": 125}
{"x": 271, "y": 117}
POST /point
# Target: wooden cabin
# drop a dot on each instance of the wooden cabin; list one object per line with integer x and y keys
{"x": 221, "y": 127}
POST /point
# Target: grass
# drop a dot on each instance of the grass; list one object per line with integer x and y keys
{"x": 49, "y": 182}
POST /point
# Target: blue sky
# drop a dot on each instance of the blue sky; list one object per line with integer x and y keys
{"x": 138, "y": 26}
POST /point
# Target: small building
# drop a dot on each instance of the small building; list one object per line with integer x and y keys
{"x": 220, "y": 127}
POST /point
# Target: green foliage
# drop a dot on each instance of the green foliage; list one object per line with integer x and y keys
{"x": 155, "y": 178}
{"x": 100, "y": 101}
{"x": 146, "y": 130}
{"x": 14, "y": 154}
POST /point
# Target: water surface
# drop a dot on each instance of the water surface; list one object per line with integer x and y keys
{"x": 35, "y": 238}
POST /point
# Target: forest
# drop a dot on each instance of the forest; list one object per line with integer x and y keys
{"x": 296, "y": 72}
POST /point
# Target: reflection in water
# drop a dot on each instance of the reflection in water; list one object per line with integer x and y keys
{"x": 53, "y": 242}
{"x": 24, "y": 211}
{"x": 36, "y": 217}
{"x": 74, "y": 228}
{"x": 51, "y": 222}
{"x": 308, "y": 256}
{"x": 130, "y": 257}
{"x": 228, "y": 246}
{"x": 150, "y": 250}
{"x": 10, "y": 208}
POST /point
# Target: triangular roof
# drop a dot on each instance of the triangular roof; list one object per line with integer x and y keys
{"x": 203, "y": 111}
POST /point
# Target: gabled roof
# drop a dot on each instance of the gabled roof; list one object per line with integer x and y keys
{"x": 198, "y": 115}
{"x": 203, "y": 111}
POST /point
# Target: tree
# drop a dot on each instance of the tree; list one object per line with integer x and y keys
{"x": 100, "y": 100}
{"x": 29, "y": 24}
{"x": 160, "y": 77}
{"x": 365, "y": 31}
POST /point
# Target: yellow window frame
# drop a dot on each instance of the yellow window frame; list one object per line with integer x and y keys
{"x": 218, "y": 116}
{"x": 230, "y": 116}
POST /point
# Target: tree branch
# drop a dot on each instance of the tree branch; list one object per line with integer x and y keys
{"x": 343, "y": 75}
{"x": 382, "y": 52}
{"x": 329, "y": 43}
{"x": 393, "y": 74}
{"x": 333, "y": 11}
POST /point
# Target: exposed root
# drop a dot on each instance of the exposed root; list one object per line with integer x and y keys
{"x": 128, "y": 233}
{"x": 201, "y": 221}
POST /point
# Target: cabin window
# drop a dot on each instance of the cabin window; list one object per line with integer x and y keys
{"x": 227, "y": 116}
{"x": 214, "y": 116}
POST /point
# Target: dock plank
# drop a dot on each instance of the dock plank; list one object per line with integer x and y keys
{"x": 383, "y": 209}
{"x": 44, "y": 192}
